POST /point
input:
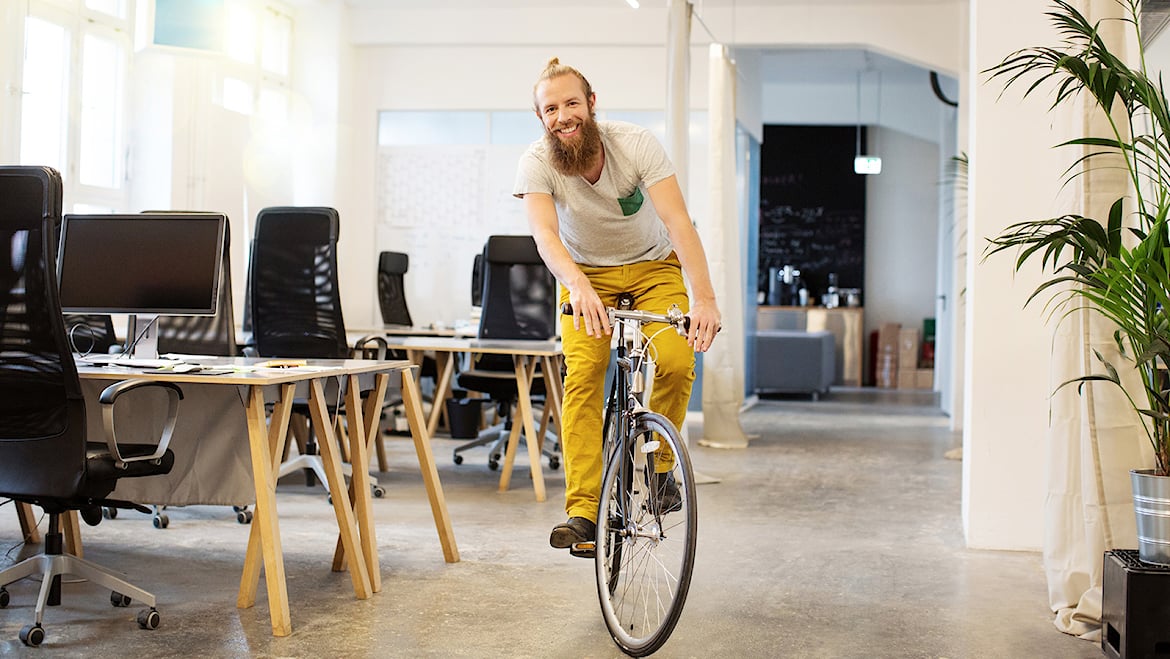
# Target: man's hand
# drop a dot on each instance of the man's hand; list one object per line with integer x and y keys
{"x": 587, "y": 308}
{"x": 705, "y": 322}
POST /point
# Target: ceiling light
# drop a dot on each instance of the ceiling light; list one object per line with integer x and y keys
{"x": 867, "y": 164}
{"x": 632, "y": 3}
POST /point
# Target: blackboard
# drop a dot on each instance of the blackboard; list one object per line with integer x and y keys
{"x": 812, "y": 205}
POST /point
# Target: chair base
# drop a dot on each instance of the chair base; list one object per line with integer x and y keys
{"x": 497, "y": 437}
{"x": 52, "y": 566}
{"x": 314, "y": 463}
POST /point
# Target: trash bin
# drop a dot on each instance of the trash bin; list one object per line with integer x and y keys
{"x": 463, "y": 413}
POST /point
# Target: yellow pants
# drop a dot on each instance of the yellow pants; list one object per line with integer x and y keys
{"x": 655, "y": 285}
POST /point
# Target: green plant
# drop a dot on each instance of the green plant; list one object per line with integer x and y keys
{"x": 1120, "y": 266}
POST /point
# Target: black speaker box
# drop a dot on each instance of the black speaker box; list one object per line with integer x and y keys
{"x": 1135, "y": 607}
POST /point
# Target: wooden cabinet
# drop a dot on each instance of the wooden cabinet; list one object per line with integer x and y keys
{"x": 846, "y": 323}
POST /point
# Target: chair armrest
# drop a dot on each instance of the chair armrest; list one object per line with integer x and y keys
{"x": 363, "y": 346}
{"x": 111, "y": 394}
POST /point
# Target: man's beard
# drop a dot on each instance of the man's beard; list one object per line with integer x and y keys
{"x": 575, "y": 157}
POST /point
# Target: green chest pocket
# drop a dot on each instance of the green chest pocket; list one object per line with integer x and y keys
{"x": 632, "y": 203}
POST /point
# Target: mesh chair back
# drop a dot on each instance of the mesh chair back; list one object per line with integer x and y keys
{"x": 519, "y": 296}
{"x": 42, "y": 413}
{"x": 204, "y": 335}
{"x": 477, "y": 281}
{"x": 519, "y": 292}
{"x": 292, "y": 277}
{"x": 392, "y": 267}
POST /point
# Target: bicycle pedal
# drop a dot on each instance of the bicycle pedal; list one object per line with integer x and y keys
{"x": 583, "y": 549}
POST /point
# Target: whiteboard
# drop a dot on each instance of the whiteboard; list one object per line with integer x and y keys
{"x": 439, "y": 204}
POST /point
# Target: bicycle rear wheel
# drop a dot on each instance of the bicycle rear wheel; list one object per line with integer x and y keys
{"x": 645, "y": 540}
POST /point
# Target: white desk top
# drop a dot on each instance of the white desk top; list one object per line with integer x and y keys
{"x": 538, "y": 348}
{"x": 245, "y": 370}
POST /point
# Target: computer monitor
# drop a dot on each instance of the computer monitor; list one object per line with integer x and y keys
{"x": 144, "y": 265}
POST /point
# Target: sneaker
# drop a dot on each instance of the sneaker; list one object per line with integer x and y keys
{"x": 577, "y": 535}
{"x": 664, "y": 493}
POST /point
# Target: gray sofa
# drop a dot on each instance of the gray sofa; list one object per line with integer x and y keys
{"x": 794, "y": 361}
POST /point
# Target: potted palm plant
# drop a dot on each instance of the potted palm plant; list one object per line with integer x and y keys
{"x": 1116, "y": 265}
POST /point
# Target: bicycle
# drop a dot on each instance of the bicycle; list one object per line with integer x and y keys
{"x": 646, "y": 536}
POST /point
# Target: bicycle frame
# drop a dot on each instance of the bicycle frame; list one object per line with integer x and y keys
{"x": 625, "y": 399}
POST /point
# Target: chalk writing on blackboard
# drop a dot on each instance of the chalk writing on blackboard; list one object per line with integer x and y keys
{"x": 812, "y": 206}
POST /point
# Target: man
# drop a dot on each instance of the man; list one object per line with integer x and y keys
{"x": 584, "y": 188}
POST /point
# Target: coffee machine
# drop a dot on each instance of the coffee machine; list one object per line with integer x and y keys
{"x": 784, "y": 286}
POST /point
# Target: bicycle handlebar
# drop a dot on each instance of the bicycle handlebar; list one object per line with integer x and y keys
{"x": 677, "y": 321}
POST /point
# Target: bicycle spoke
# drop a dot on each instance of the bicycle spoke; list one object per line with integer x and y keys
{"x": 644, "y": 571}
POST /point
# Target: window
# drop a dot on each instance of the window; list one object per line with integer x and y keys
{"x": 73, "y": 95}
{"x": 258, "y": 45}
{"x": 237, "y": 95}
{"x": 44, "y": 109}
{"x": 100, "y": 145}
{"x": 275, "y": 35}
{"x": 114, "y": 8}
{"x": 241, "y": 33}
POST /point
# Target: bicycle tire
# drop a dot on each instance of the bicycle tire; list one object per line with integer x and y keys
{"x": 644, "y": 556}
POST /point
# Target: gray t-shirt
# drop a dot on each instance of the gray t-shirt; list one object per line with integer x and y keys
{"x": 611, "y": 222}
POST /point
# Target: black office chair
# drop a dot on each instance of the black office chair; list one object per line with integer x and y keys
{"x": 477, "y": 281}
{"x": 296, "y": 306}
{"x": 392, "y": 267}
{"x": 44, "y": 456}
{"x": 519, "y": 302}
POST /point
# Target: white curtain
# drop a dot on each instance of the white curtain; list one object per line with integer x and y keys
{"x": 723, "y": 364}
{"x": 1094, "y": 436}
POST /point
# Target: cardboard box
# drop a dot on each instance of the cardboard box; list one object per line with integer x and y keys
{"x": 909, "y": 346}
{"x": 916, "y": 378}
{"x": 886, "y": 359}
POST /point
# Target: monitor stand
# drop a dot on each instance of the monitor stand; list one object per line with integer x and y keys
{"x": 142, "y": 332}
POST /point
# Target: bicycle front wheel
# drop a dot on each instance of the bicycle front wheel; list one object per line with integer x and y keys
{"x": 646, "y": 533}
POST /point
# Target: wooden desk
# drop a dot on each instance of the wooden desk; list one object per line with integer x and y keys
{"x": 525, "y": 356}
{"x": 358, "y": 543}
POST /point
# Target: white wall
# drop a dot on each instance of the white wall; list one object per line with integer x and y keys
{"x": 901, "y": 232}
{"x": 907, "y": 103}
{"x": 1014, "y": 176}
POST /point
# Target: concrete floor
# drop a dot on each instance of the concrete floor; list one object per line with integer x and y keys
{"x": 835, "y": 534}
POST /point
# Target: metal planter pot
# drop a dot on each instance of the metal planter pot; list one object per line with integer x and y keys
{"x": 1151, "y": 503}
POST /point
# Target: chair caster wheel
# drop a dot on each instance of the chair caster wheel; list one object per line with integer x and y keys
{"x": 493, "y": 464}
{"x": 379, "y": 491}
{"x": 32, "y": 635}
{"x": 457, "y": 459}
{"x": 554, "y": 463}
{"x": 161, "y": 521}
{"x": 118, "y": 599}
{"x": 91, "y": 515}
{"x": 244, "y": 516}
{"x": 239, "y": 509}
{"x": 4, "y": 598}
{"x": 109, "y": 512}
{"x": 148, "y": 619}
